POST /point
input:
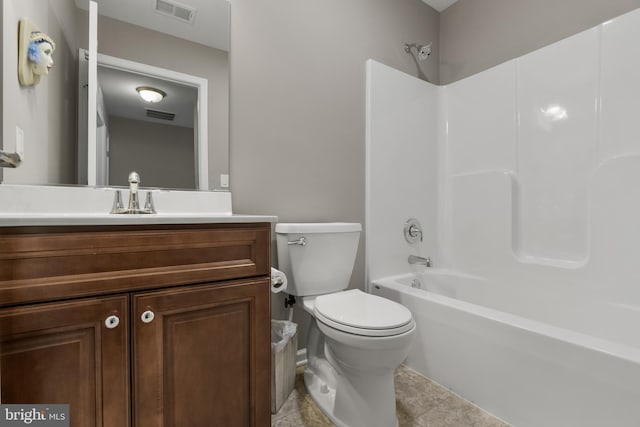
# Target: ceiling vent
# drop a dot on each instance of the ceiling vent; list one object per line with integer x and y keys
{"x": 162, "y": 115}
{"x": 176, "y": 10}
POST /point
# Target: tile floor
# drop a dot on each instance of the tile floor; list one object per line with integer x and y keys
{"x": 420, "y": 403}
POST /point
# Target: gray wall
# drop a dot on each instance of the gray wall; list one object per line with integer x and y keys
{"x": 122, "y": 40}
{"x": 46, "y": 111}
{"x": 477, "y": 34}
{"x": 298, "y": 101}
{"x": 161, "y": 154}
{"x": 298, "y": 87}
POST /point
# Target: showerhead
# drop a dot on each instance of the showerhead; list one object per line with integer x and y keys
{"x": 423, "y": 50}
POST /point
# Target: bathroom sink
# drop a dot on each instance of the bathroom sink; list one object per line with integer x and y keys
{"x": 22, "y": 205}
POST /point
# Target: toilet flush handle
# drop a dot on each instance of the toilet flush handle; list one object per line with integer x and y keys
{"x": 301, "y": 241}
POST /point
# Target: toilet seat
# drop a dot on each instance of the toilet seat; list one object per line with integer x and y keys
{"x": 360, "y": 313}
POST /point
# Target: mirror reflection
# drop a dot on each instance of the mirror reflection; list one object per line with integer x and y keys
{"x": 188, "y": 38}
{"x": 130, "y": 122}
{"x": 148, "y": 119}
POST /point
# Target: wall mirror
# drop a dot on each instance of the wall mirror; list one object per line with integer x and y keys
{"x": 180, "y": 48}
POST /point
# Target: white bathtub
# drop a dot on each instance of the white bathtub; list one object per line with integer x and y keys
{"x": 533, "y": 364}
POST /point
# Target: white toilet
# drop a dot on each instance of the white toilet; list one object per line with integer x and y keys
{"x": 356, "y": 340}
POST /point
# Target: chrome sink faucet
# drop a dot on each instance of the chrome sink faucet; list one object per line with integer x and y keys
{"x": 134, "y": 180}
{"x": 134, "y": 204}
{"x": 418, "y": 260}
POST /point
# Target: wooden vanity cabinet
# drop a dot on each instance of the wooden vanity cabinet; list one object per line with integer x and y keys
{"x": 63, "y": 353}
{"x": 196, "y": 363}
{"x": 145, "y": 326}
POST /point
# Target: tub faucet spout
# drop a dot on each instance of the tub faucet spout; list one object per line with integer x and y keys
{"x": 418, "y": 260}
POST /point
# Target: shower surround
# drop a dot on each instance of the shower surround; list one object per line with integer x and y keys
{"x": 526, "y": 180}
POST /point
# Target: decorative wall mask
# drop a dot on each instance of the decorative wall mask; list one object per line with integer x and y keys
{"x": 35, "y": 53}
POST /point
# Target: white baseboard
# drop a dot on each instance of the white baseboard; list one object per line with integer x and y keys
{"x": 301, "y": 357}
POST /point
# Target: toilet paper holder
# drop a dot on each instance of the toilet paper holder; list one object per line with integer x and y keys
{"x": 277, "y": 281}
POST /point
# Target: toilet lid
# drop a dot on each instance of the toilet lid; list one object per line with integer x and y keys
{"x": 361, "y": 313}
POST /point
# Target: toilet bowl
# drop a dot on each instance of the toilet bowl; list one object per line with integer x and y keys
{"x": 356, "y": 340}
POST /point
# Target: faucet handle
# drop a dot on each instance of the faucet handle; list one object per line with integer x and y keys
{"x": 117, "y": 207}
{"x": 148, "y": 204}
{"x": 412, "y": 231}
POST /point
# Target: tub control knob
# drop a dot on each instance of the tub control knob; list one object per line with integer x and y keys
{"x": 412, "y": 231}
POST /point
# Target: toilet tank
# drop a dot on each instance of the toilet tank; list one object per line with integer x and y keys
{"x": 324, "y": 263}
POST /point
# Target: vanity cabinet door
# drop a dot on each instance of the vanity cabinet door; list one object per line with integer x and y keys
{"x": 74, "y": 353}
{"x": 201, "y": 355}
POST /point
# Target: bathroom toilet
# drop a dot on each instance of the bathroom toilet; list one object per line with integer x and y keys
{"x": 356, "y": 340}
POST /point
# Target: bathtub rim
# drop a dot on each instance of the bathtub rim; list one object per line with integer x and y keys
{"x": 600, "y": 345}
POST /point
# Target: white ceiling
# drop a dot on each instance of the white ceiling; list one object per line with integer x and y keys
{"x": 121, "y": 98}
{"x": 210, "y": 27}
{"x": 439, "y": 5}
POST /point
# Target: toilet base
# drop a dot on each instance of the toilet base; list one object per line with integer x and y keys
{"x": 348, "y": 399}
{"x": 324, "y": 397}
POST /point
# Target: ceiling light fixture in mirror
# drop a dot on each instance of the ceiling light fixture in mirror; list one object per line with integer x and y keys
{"x": 193, "y": 41}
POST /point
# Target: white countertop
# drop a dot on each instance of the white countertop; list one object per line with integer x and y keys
{"x": 33, "y": 205}
{"x": 15, "y": 220}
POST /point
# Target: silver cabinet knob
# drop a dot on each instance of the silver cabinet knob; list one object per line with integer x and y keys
{"x": 148, "y": 316}
{"x": 112, "y": 321}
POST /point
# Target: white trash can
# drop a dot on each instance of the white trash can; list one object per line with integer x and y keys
{"x": 284, "y": 347}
